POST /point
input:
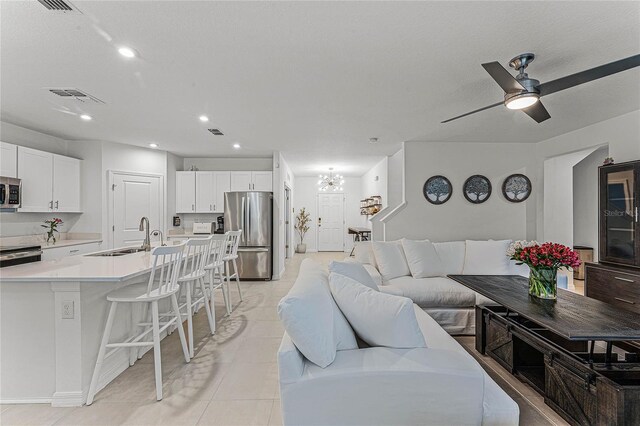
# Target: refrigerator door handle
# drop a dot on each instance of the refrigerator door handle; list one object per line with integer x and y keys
{"x": 248, "y": 219}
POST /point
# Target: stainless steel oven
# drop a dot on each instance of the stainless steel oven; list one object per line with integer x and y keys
{"x": 10, "y": 189}
{"x": 17, "y": 255}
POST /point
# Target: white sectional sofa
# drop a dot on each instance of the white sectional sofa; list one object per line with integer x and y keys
{"x": 440, "y": 384}
{"x": 451, "y": 304}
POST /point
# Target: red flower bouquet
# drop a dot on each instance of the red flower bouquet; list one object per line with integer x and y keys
{"x": 543, "y": 260}
{"x": 52, "y": 228}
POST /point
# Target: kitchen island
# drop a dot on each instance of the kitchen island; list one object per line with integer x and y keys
{"x": 52, "y": 315}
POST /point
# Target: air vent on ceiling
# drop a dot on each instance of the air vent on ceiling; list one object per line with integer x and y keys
{"x": 58, "y": 6}
{"x": 216, "y": 132}
{"x": 75, "y": 94}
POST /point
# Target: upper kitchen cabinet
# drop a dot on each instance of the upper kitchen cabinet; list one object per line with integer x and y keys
{"x": 201, "y": 192}
{"x": 50, "y": 182}
{"x": 8, "y": 160}
{"x": 252, "y": 181}
{"x": 185, "y": 192}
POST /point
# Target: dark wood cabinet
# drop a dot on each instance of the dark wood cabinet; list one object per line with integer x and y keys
{"x": 617, "y": 285}
{"x": 619, "y": 227}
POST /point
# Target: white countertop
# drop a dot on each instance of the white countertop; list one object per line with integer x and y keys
{"x": 81, "y": 268}
{"x": 65, "y": 243}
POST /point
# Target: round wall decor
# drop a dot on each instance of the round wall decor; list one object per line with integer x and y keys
{"x": 437, "y": 189}
{"x": 516, "y": 188}
{"x": 477, "y": 189}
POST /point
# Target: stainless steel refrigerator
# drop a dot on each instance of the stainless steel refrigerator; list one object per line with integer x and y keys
{"x": 253, "y": 213}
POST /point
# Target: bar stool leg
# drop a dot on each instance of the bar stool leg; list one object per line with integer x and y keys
{"x": 237, "y": 274}
{"x": 212, "y": 301}
{"x": 189, "y": 319}
{"x": 157, "y": 361}
{"x": 183, "y": 340}
{"x": 101, "y": 353}
{"x": 207, "y": 305}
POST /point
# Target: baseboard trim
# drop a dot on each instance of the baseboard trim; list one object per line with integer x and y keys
{"x": 67, "y": 399}
{"x": 42, "y": 400}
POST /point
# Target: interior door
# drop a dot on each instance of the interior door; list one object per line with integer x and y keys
{"x": 35, "y": 168}
{"x": 330, "y": 222}
{"x": 135, "y": 196}
{"x": 205, "y": 192}
{"x": 66, "y": 184}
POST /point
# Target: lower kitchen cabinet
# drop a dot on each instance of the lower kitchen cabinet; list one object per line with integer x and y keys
{"x": 55, "y": 253}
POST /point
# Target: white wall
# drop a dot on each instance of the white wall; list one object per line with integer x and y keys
{"x": 375, "y": 182}
{"x": 30, "y": 138}
{"x": 174, "y": 163}
{"x": 223, "y": 164}
{"x": 306, "y": 195}
{"x": 458, "y": 218}
{"x": 585, "y": 200}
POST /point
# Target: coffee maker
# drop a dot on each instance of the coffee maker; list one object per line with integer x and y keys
{"x": 220, "y": 225}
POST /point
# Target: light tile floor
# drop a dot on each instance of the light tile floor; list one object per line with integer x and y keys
{"x": 233, "y": 378}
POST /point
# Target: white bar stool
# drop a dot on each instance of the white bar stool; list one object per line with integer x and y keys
{"x": 216, "y": 271}
{"x": 231, "y": 259}
{"x": 197, "y": 252}
{"x": 166, "y": 264}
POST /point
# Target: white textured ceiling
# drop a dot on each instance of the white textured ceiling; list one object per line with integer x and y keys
{"x": 314, "y": 80}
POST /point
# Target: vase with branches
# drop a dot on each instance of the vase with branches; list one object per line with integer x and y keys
{"x": 52, "y": 228}
{"x": 302, "y": 227}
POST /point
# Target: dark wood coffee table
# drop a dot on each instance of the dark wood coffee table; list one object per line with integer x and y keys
{"x": 545, "y": 344}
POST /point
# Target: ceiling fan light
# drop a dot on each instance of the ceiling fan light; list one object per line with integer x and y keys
{"x": 521, "y": 101}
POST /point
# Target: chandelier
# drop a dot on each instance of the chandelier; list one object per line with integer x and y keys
{"x": 331, "y": 182}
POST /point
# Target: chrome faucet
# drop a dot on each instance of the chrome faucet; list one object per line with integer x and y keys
{"x": 156, "y": 233}
{"x": 146, "y": 245}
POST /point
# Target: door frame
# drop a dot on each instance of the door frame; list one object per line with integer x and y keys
{"x": 111, "y": 201}
{"x": 287, "y": 222}
{"x": 344, "y": 218}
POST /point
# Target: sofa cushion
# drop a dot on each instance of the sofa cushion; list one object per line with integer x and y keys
{"x": 436, "y": 292}
{"x": 379, "y": 319}
{"x": 422, "y": 258}
{"x": 452, "y": 256}
{"x": 312, "y": 319}
{"x": 390, "y": 259}
{"x": 486, "y": 258}
{"x": 363, "y": 253}
{"x": 355, "y": 271}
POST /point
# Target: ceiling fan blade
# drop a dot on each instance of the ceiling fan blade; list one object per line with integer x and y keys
{"x": 503, "y": 77}
{"x": 473, "y": 112}
{"x": 537, "y": 111}
{"x": 588, "y": 75}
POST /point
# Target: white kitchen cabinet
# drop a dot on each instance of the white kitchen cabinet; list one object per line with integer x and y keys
{"x": 185, "y": 192}
{"x": 241, "y": 181}
{"x": 35, "y": 168}
{"x": 8, "y": 160}
{"x": 66, "y": 184}
{"x": 205, "y": 191}
{"x": 251, "y": 181}
{"x": 262, "y": 181}
{"x": 223, "y": 184}
{"x": 50, "y": 182}
{"x": 55, "y": 253}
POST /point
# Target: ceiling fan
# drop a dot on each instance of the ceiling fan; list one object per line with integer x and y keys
{"x": 524, "y": 93}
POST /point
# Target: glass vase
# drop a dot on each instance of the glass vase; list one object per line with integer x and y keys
{"x": 52, "y": 237}
{"x": 543, "y": 282}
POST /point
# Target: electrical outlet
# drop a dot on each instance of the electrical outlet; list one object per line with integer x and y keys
{"x": 67, "y": 309}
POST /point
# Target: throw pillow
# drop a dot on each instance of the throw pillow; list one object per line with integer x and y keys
{"x": 452, "y": 256}
{"x": 379, "y": 319}
{"x": 390, "y": 259}
{"x": 487, "y": 258}
{"x": 422, "y": 258}
{"x": 363, "y": 253}
{"x": 354, "y": 271}
{"x": 312, "y": 319}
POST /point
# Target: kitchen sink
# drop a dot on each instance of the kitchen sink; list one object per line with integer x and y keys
{"x": 118, "y": 252}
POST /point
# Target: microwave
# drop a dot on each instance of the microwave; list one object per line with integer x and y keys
{"x": 10, "y": 189}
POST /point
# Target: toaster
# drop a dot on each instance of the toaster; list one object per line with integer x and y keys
{"x": 203, "y": 227}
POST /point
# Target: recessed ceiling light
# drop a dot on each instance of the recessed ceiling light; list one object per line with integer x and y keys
{"x": 127, "y": 52}
{"x": 204, "y": 118}
{"x": 153, "y": 145}
{"x": 236, "y": 145}
{"x": 86, "y": 117}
